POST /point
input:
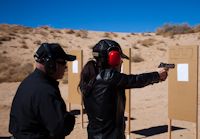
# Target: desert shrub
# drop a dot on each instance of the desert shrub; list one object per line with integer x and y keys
{"x": 108, "y": 35}
{"x": 43, "y": 33}
{"x": 12, "y": 34}
{"x": 38, "y": 42}
{"x": 146, "y": 34}
{"x": 134, "y": 46}
{"x": 24, "y": 46}
{"x": 18, "y": 73}
{"x": 25, "y": 37}
{"x": 45, "y": 27}
{"x": 161, "y": 49}
{"x": 4, "y": 52}
{"x": 69, "y": 31}
{"x": 58, "y": 31}
{"x": 5, "y": 38}
{"x": 170, "y": 30}
{"x": 197, "y": 28}
{"x": 133, "y": 34}
{"x": 136, "y": 58}
{"x": 114, "y": 34}
{"x": 123, "y": 38}
{"x": 161, "y": 41}
{"x": 146, "y": 42}
{"x": 82, "y": 34}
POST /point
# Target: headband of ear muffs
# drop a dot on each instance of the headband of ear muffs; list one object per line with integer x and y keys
{"x": 49, "y": 63}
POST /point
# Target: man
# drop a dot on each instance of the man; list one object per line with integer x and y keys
{"x": 38, "y": 110}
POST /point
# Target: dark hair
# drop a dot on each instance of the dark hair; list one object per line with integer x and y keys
{"x": 88, "y": 76}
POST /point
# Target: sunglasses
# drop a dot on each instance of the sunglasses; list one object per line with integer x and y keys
{"x": 61, "y": 62}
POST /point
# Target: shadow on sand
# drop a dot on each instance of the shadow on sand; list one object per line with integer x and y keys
{"x": 155, "y": 130}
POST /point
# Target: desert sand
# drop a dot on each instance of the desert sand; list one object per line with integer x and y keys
{"x": 149, "y": 109}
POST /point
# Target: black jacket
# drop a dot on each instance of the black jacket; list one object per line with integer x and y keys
{"x": 38, "y": 110}
{"x": 105, "y": 102}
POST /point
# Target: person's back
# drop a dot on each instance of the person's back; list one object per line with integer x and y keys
{"x": 38, "y": 110}
{"x": 30, "y": 99}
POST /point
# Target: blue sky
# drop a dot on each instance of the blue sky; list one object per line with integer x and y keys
{"x": 100, "y": 15}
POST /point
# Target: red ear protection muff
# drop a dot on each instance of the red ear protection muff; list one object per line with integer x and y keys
{"x": 114, "y": 58}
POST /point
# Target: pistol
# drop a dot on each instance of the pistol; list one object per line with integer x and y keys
{"x": 166, "y": 65}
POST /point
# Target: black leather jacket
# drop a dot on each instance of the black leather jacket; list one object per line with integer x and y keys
{"x": 105, "y": 102}
{"x": 38, "y": 110}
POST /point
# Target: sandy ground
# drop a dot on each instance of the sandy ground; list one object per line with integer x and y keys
{"x": 149, "y": 116}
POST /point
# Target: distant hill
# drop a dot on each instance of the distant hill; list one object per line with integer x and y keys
{"x": 18, "y": 44}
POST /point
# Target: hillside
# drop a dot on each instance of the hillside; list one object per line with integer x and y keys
{"x": 18, "y": 44}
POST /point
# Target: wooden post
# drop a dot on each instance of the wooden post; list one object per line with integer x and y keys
{"x": 169, "y": 129}
{"x": 197, "y": 92}
{"x": 82, "y": 121}
{"x": 69, "y": 107}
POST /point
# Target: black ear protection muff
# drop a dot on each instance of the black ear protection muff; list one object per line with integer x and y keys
{"x": 49, "y": 63}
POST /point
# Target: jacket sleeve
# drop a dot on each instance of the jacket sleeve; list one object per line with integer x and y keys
{"x": 136, "y": 81}
{"x": 53, "y": 115}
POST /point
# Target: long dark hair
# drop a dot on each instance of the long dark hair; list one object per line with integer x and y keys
{"x": 88, "y": 76}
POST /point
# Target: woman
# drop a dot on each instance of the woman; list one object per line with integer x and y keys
{"x": 103, "y": 90}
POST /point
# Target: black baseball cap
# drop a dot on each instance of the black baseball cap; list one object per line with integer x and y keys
{"x": 53, "y": 50}
{"x": 107, "y": 45}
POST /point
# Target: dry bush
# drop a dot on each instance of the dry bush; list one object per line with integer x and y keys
{"x": 20, "y": 73}
{"x": 4, "y": 52}
{"x": 162, "y": 49}
{"x": 21, "y": 29}
{"x": 133, "y": 33}
{"x": 137, "y": 58}
{"x": 13, "y": 46}
{"x": 4, "y": 27}
{"x": 161, "y": 41}
{"x": 25, "y": 37}
{"x": 69, "y": 31}
{"x": 146, "y": 34}
{"x": 82, "y": 34}
{"x": 196, "y": 28}
{"x": 45, "y": 27}
{"x": 123, "y": 38}
{"x": 38, "y": 42}
{"x": 43, "y": 33}
{"x": 134, "y": 46}
{"x": 12, "y": 34}
{"x": 24, "y": 46}
{"x": 5, "y": 38}
{"x": 58, "y": 31}
{"x": 12, "y": 71}
{"x": 170, "y": 30}
{"x": 114, "y": 34}
{"x": 146, "y": 42}
{"x": 108, "y": 35}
